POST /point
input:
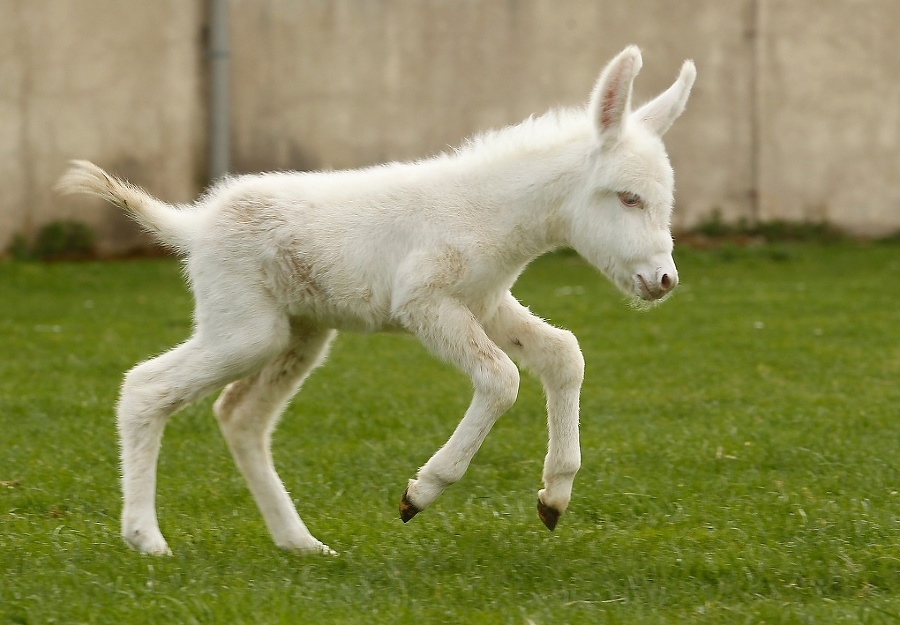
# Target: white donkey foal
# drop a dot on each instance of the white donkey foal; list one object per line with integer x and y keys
{"x": 278, "y": 262}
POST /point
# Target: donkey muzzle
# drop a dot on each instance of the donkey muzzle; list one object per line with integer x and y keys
{"x": 655, "y": 285}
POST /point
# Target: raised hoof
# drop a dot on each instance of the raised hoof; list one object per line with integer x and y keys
{"x": 407, "y": 509}
{"x": 549, "y": 516}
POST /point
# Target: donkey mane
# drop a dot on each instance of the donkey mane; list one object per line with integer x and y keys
{"x": 556, "y": 127}
{"x": 537, "y": 134}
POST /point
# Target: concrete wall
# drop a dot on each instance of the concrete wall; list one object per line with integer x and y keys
{"x": 116, "y": 82}
{"x": 796, "y": 113}
{"x": 829, "y": 103}
{"x": 343, "y": 83}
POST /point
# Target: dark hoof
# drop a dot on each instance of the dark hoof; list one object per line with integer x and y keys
{"x": 549, "y": 516}
{"x": 407, "y": 509}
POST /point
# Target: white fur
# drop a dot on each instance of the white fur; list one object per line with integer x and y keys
{"x": 278, "y": 262}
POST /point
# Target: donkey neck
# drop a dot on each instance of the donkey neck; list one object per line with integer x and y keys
{"x": 523, "y": 192}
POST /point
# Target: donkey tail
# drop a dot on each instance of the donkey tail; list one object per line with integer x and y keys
{"x": 169, "y": 224}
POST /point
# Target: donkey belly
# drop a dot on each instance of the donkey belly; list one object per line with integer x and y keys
{"x": 327, "y": 296}
{"x": 357, "y": 312}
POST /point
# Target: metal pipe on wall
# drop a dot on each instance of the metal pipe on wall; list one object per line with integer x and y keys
{"x": 219, "y": 90}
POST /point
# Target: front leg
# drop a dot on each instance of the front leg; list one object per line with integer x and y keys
{"x": 450, "y": 331}
{"x": 554, "y": 356}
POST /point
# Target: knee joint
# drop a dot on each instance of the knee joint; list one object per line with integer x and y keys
{"x": 568, "y": 362}
{"x": 501, "y": 381}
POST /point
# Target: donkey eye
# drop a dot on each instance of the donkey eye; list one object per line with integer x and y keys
{"x": 631, "y": 200}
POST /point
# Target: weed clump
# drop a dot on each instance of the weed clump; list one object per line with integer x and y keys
{"x": 775, "y": 231}
{"x": 58, "y": 240}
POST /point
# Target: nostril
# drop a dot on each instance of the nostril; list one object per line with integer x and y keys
{"x": 665, "y": 282}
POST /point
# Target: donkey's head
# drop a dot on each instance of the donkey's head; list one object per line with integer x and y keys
{"x": 621, "y": 219}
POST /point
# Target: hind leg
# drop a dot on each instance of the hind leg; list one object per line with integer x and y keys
{"x": 248, "y": 411}
{"x": 155, "y": 389}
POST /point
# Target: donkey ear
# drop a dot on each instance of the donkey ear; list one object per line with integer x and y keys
{"x": 611, "y": 98}
{"x": 659, "y": 114}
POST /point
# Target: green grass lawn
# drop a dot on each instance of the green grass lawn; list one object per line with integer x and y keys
{"x": 740, "y": 450}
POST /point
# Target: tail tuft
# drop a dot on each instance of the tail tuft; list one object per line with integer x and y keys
{"x": 169, "y": 224}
